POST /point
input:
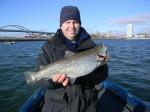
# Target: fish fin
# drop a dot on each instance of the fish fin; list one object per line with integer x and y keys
{"x": 29, "y": 77}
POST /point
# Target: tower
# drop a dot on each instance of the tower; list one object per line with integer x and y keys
{"x": 129, "y": 30}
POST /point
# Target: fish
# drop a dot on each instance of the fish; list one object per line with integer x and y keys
{"x": 76, "y": 65}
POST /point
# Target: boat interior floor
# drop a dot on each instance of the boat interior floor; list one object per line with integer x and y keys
{"x": 109, "y": 102}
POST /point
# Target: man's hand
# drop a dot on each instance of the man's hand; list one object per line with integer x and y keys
{"x": 61, "y": 78}
{"x": 106, "y": 59}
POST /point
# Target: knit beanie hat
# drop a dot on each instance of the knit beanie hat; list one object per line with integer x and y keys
{"x": 69, "y": 13}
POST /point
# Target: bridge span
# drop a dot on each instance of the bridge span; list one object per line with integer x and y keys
{"x": 31, "y": 35}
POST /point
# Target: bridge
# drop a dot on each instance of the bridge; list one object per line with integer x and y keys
{"x": 31, "y": 35}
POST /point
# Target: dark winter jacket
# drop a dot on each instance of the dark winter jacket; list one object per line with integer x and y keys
{"x": 81, "y": 96}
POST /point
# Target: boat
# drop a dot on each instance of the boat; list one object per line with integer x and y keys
{"x": 112, "y": 98}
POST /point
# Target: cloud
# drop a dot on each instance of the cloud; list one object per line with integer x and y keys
{"x": 143, "y": 19}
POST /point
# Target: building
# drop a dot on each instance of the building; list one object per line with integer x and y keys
{"x": 129, "y": 30}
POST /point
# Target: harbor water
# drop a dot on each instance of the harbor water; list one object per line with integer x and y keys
{"x": 129, "y": 66}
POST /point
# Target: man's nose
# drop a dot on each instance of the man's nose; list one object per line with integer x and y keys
{"x": 72, "y": 25}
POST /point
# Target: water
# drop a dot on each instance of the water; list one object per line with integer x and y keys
{"x": 129, "y": 66}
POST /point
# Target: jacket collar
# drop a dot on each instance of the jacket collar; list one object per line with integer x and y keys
{"x": 83, "y": 39}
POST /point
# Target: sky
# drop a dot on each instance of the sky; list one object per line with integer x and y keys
{"x": 96, "y": 15}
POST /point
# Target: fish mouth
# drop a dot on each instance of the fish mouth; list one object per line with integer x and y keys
{"x": 100, "y": 57}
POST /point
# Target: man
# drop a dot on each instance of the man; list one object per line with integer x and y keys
{"x": 61, "y": 96}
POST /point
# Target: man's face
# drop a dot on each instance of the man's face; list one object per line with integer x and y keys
{"x": 70, "y": 29}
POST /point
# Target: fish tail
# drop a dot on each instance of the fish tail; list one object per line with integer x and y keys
{"x": 29, "y": 77}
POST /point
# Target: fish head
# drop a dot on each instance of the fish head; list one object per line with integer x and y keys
{"x": 101, "y": 50}
{"x": 101, "y": 54}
